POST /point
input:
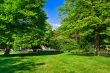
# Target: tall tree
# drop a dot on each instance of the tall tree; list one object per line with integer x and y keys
{"x": 21, "y": 19}
{"x": 87, "y": 18}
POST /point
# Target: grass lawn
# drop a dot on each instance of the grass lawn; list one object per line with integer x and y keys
{"x": 60, "y": 63}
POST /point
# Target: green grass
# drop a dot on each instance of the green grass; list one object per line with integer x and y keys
{"x": 59, "y": 63}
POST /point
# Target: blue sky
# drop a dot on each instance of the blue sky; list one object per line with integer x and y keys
{"x": 51, "y": 9}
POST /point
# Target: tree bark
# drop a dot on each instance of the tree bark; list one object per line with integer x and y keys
{"x": 7, "y": 51}
{"x": 97, "y": 46}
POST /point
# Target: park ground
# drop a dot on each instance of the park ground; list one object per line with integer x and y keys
{"x": 57, "y": 63}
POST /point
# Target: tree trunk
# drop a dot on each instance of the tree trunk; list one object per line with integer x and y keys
{"x": 7, "y": 51}
{"x": 97, "y": 46}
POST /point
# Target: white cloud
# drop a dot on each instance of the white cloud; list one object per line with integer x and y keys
{"x": 55, "y": 26}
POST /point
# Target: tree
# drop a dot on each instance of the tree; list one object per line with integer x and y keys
{"x": 87, "y": 19}
{"x": 33, "y": 31}
{"x": 23, "y": 22}
{"x": 7, "y": 10}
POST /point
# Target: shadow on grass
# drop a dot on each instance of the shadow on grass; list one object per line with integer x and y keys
{"x": 12, "y": 65}
{"x": 39, "y": 53}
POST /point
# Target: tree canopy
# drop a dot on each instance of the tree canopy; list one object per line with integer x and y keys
{"x": 22, "y": 22}
{"x": 86, "y": 21}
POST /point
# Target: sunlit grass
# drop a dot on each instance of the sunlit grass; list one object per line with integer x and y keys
{"x": 60, "y": 63}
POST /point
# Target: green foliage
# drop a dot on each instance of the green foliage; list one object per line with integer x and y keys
{"x": 63, "y": 43}
{"x": 85, "y": 21}
{"x": 22, "y": 23}
{"x": 48, "y": 35}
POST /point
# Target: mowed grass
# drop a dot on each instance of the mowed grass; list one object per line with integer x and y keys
{"x": 60, "y": 63}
